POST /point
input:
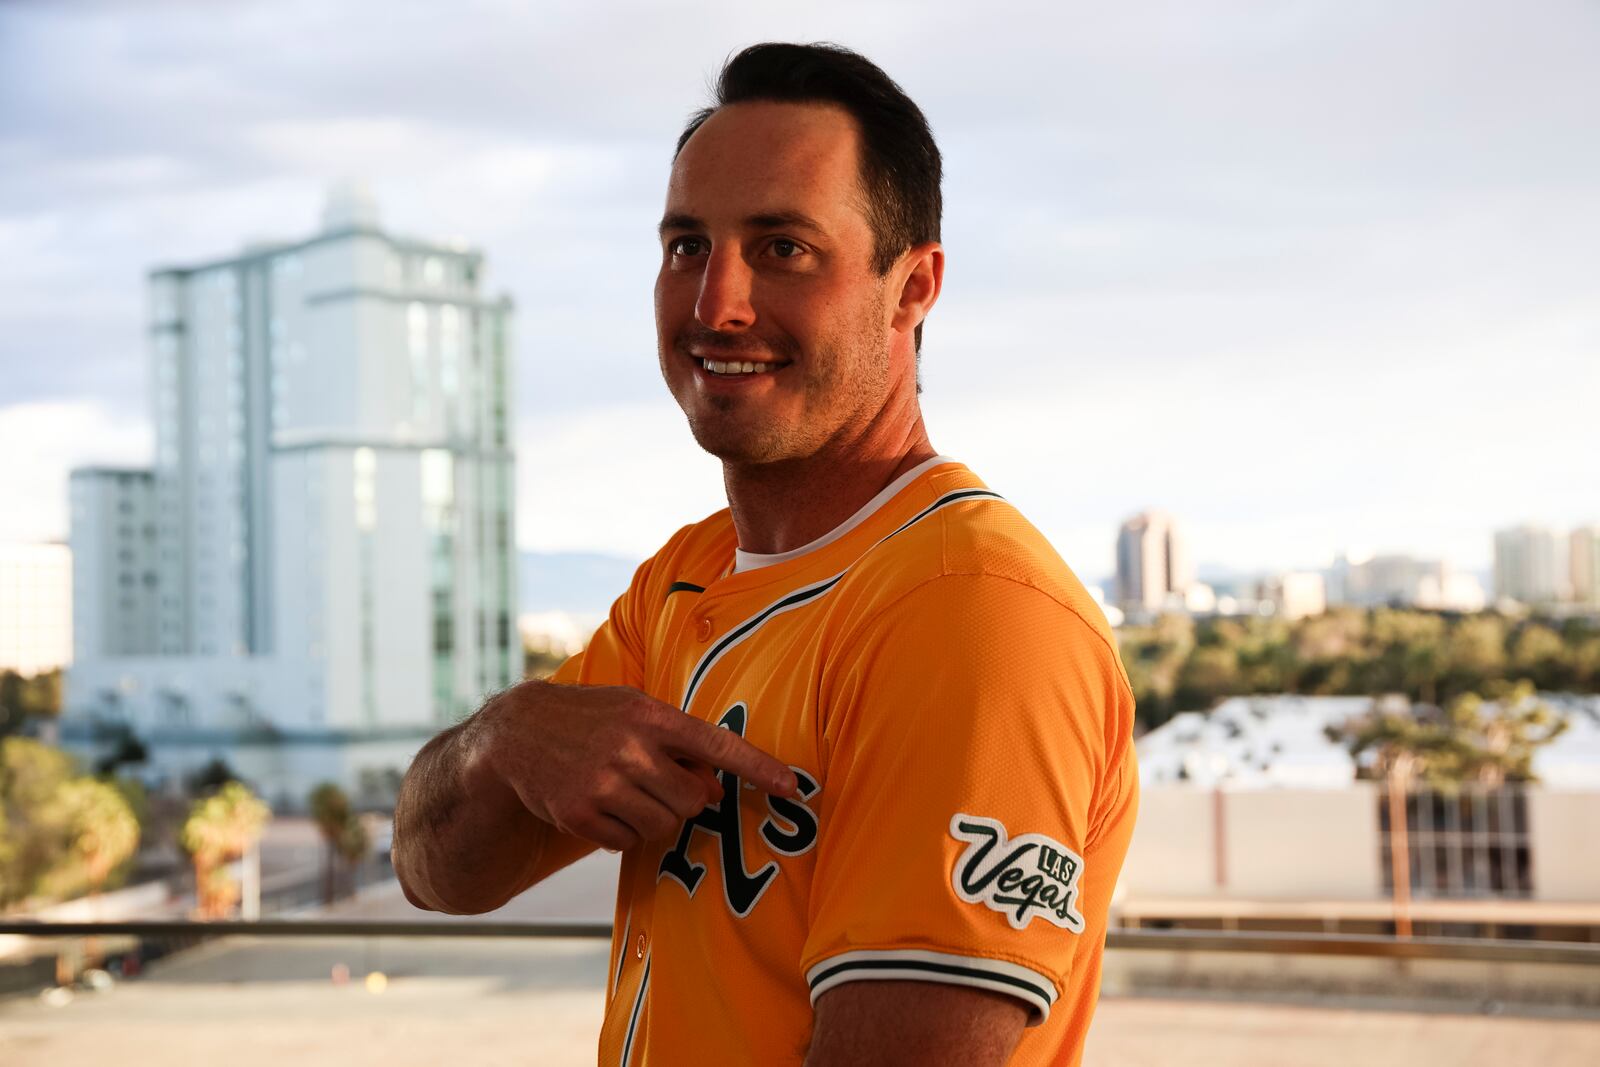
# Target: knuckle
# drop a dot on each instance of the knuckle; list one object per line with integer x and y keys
{"x": 605, "y": 784}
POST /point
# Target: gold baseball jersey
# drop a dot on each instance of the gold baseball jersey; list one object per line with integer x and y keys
{"x": 953, "y": 706}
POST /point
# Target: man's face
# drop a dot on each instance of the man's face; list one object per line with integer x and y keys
{"x": 766, "y": 273}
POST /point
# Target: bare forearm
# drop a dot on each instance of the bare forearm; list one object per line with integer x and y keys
{"x": 542, "y": 774}
{"x": 463, "y": 842}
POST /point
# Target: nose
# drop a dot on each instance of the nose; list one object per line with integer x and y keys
{"x": 724, "y": 301}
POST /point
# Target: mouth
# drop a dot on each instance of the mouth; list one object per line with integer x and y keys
{"x": 735, "y": 368}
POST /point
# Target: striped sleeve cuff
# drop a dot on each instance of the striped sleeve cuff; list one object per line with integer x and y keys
{"x": 915, "y": 965}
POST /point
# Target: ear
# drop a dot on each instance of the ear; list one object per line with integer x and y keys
{"x": 921, "y": 274}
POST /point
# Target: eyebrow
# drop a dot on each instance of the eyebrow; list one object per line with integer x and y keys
{"x": 763, "y": 221}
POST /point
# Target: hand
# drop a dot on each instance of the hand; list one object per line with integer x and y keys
{"x": 610, "y": 764}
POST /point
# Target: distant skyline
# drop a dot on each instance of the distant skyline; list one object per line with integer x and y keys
{"x": 1311, "y": 277}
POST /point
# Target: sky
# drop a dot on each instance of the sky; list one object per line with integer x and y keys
{"x": 1313, "y": 276}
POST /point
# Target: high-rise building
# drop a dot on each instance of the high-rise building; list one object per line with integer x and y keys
{"x": 1296, "y": 594}
{"x": 334, "y": 556}
{"x": 1401, "y": 581}
{"x": 1530, "y": 565}
{"x": 1153, "y": 564}
{"x": 115, "y": 563}
{"x": 1584, "y": 555}
{"x": 35, "y": 607}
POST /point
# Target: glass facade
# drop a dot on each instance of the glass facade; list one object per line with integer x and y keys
{"x": 438, "y": 520}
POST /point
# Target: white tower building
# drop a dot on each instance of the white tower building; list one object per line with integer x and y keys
{"x": 1153, "y": 564}
{"x": 334, "y": 485}
{"x": 1584, "y": 559}
{"x": 1530, "y": 565}
{"x": 115, "y": 579}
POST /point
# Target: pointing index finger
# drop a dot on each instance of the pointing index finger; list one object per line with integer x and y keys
{"x": 722, "y": 748}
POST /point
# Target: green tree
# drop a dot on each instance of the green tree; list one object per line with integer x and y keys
{"x": 1469, "y": 741}
{"x": 1476, "y": 652}
{"x": 1538, "y": 653}
{"x": 61, "y": 833}
{"x": 32, "y": 836}
{"x": 539, "y": 662}
{"x": 24, "y": 698}
{"x": 103, "y": 831}
{"x": 344, "y": 836}
{"x": 1208, "y": 674}
{"x": 221, "y": 828}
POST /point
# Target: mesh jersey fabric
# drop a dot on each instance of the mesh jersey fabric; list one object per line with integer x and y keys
{"x": 952, "y": 702}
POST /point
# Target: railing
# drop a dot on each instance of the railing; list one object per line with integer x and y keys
{"x": 1255, "y": 942}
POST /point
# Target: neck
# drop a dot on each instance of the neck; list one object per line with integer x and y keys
{"x": 778, "y": 507}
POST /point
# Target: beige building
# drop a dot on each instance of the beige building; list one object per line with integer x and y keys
{"x": 35, "y": 607}
{"x": 1584, "y": 557}
{"x": 1530, "y": 565}
{"x": 1287, "y": 857}
{"x": 1154, "y": 569}
{"x": 1297, "y": 594}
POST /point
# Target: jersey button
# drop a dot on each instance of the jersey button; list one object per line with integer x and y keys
{"x": 702, "y": 629}
{"x": 638, "y": 947}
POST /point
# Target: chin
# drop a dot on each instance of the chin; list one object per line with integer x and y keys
{"x": 740, "y": 445}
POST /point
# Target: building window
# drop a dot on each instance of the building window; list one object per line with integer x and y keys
{"x": 1472, "y": 842}
{"x": 365, "y": 463}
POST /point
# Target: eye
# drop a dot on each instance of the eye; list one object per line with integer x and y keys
{"x": 686, "y": 246}
{"x": 784, "y": 248}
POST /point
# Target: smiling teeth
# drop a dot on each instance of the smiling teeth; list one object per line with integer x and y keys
{"x": 735, "y": 367}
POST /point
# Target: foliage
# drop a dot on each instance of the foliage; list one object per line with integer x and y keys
{"x": 1468, "y": 741}
{"x": 220, "y": 828}
{"x": 103, "y": 830}
{"x": 61, "y": 833}
{"x": 125, "y": 747}
{"x": 1178, "y": 664}
{"x": 210, "y": 778}
{"x": 23, "y": 698}
{"x": 540, "y": 663}
{"x": 342, "y": 831}
{"x": 340, "y": 826}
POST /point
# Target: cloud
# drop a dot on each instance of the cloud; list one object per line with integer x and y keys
{"x": 43, "y": 442}
{"x": 616, "y": 480}
{"x": 1308, "y": 273}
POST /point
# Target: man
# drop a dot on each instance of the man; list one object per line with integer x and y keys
{"x": 862, "y": 739}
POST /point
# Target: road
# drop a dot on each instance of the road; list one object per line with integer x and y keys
{"x": 259, "y": 1003}
{"x": 263, "y": 1003}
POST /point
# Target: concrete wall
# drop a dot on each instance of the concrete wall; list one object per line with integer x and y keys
{"x": 1172, "y": 854}
{"x": 1304, "y": 844}
{"x": 1276, "y": 843}
{"x": 1293, "y": 843}
{"x": 1561, "y": 835}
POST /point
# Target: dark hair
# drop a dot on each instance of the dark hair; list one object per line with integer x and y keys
{"x": 900, "y": 165}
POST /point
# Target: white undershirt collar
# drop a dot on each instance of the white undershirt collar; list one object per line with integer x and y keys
{"x": 749, "y": 561}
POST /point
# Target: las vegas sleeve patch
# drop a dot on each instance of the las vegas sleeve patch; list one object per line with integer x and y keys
{"x": 1026, "y": 877}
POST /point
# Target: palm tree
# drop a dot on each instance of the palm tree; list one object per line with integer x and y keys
{"x": 342, "y": 832}
{"x": 104, "y": 830}
{"x": 1469, "y": 741}
{"x": 221, "y": 827}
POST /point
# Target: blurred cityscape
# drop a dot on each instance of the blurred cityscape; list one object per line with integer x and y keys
{"x": 319, "y": 572}
{"x": 1369, "y": 782}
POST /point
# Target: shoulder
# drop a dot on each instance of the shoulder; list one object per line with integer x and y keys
{"x": 981, "y": 568}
